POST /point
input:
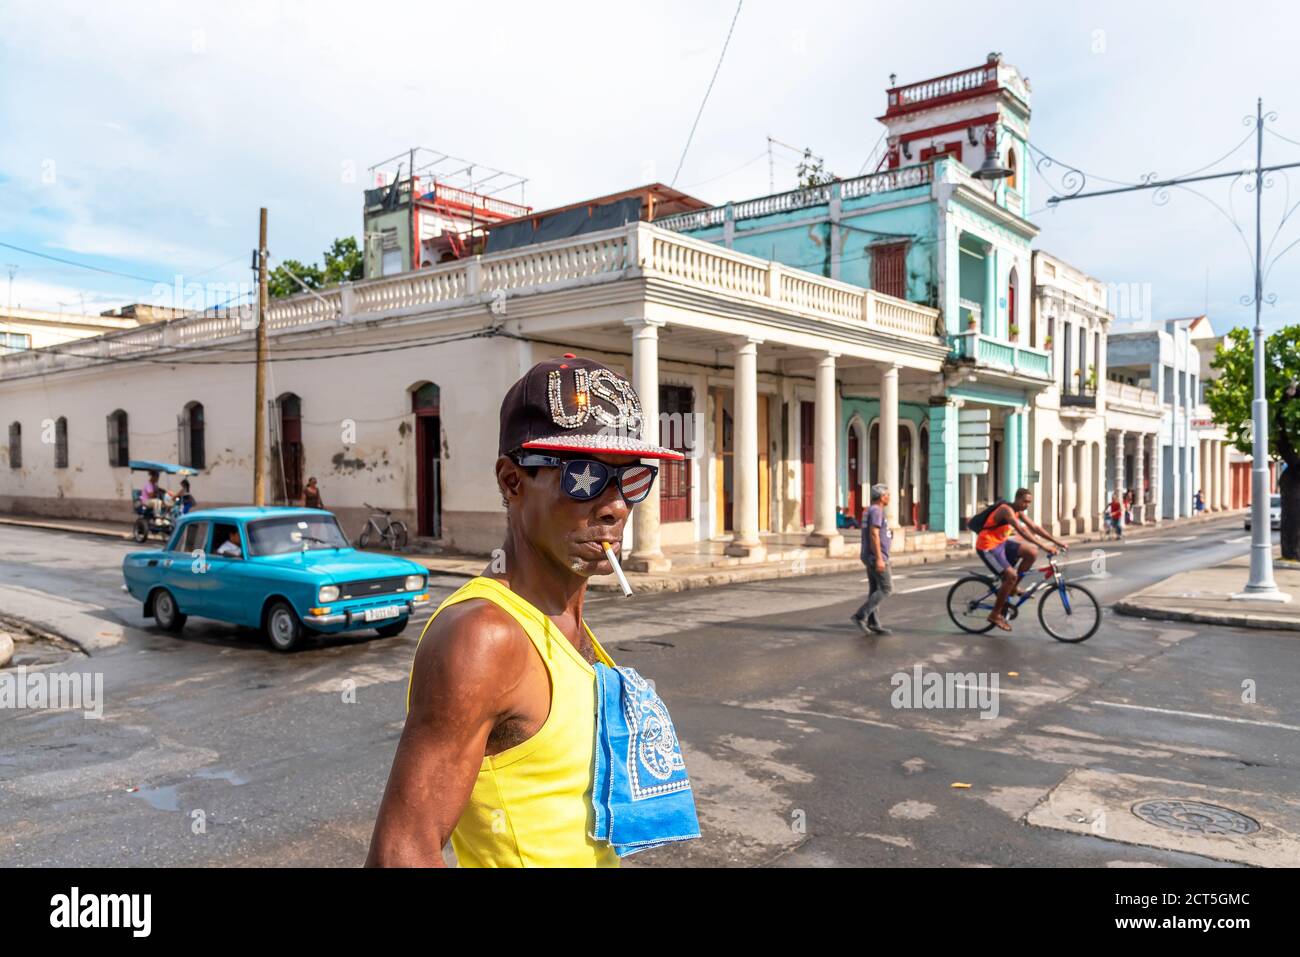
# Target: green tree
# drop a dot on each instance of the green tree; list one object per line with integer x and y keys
{"x": 280, "y": 283}
{"x": 1229, "y": 398}
{"x": 812, "y": 173}
{"x": 343, "y": 263}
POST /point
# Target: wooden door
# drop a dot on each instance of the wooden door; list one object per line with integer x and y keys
{"x": 855, "y": 497}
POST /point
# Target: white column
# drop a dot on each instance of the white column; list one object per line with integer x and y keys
{"x": 1157, "y": 480}
{"x": 889, "y": 440}
{"x": 1225, "y": 476}
{"x": 1068, "y": 485}
{"x": 746, "y": 543}
{"x": 1085, "y": 486}
{"x": 646, "y": 554}
{"x": 1139, "y": 476}
{"x": 1216, "y": 480}
{"x": 1117, "y": 465}
{"x": 825, "y": 460}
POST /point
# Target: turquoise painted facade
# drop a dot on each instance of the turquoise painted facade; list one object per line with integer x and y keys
{"x": 967, "y": 254}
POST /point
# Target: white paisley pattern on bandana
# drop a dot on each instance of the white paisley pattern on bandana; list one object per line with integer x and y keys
{"x": 654, "y": 755}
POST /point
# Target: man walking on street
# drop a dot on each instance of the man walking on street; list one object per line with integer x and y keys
{"x": 876, "y": 536}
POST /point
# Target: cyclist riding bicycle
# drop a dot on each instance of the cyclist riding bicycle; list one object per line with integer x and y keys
{"x": 995, "y": 526}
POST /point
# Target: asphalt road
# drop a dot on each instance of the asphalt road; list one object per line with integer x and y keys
{"x": 214, "y": 749}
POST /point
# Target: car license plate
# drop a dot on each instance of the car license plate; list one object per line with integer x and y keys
{"x": 379, "y": 614}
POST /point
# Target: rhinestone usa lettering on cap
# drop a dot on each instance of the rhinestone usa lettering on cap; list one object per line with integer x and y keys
{"x": 615, "y": 403}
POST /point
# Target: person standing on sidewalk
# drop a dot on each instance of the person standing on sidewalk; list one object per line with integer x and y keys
{"x": 876, "y": 536}
{"x": 1116, "y": 515}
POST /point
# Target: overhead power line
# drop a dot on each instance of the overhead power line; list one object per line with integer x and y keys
{"x": 700, "y": 113}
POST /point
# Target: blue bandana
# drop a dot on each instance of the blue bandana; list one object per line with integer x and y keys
{"x": 640, "y": 790}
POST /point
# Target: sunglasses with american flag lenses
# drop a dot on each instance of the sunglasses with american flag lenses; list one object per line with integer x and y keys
{"x": 584, "y": 479}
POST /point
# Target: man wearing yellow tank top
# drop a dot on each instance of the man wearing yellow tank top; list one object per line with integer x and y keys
{"x": 497, "y": 753}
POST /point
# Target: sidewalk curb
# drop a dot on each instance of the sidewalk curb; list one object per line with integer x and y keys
{"x": 56, "y": 526}
{"x": 1136, "y": 609}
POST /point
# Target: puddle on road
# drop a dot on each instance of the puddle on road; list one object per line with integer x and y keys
{"x": 230, "y": 777}
{"x": 160, "y": 799}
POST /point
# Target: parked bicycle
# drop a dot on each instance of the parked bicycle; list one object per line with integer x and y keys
{"x": 382, "y": 530}
{"x": 1067, "y": 611}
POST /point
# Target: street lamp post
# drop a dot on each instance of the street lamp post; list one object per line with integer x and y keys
{"x": 1260, "y": 586}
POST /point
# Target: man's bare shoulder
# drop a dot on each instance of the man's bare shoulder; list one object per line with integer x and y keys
{"x": 473, "y": 645}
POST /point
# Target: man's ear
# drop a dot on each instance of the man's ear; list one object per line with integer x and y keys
{"x": 510, "y": 479}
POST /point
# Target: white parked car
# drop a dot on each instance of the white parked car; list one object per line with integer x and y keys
{"x": 1274, "y": 513}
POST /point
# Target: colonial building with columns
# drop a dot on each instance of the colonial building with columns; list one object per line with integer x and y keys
{"x": 1068, "y": 426}
{"x": 1215, "y": 454}
{"x": 388, "y": 390}
{"x": 1165, "y": 362}
{"x": 924, "y": 227}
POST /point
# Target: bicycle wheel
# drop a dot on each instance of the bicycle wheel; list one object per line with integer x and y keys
{"x": 969, "y": 603}
{"x": 400, "y": 538}
{"x": 1069, "y": 613}
{"x": 364, "y": 538}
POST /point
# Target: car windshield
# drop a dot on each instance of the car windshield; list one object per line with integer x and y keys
{"x": 276, "y": 536}
{"x": 1277, "y": 501}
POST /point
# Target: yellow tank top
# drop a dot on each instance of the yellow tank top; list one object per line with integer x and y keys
{"x": 531, "y": 804}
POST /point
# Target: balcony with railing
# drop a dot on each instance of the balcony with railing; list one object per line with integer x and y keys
{"x": 1132, "y": 397}
{"x": 905, "y": 177}
{"x": 928, "y": 93}
{"x": 1082, "y": 398}
{"x": 636, "y": 251}
{"x": 982, "y": 351}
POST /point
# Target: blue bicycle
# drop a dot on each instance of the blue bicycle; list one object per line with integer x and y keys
{"x": 1068, "y": 612}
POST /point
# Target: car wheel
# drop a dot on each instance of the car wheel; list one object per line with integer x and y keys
{"x": 393, "y": 630}
{"x": 283, "y": 627}
{"x": 166, "y": 613}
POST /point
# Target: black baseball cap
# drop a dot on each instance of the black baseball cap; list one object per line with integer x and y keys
{"x": 573, "y": 404}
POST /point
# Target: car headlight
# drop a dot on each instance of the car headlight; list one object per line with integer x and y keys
{"x": 328, "y": 593}
{"x": 414, "y": 583}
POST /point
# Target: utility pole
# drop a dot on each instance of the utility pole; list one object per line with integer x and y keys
{"x": 259, "y": 388}
{"x": 12, "y": 269}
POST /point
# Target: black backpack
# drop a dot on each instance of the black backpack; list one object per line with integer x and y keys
{"x": 976, "y": 522}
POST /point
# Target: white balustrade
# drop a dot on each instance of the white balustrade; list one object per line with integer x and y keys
{"x": 618, "y": 252}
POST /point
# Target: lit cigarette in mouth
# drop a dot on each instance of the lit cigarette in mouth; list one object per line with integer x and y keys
{"x": 618, "y": 570}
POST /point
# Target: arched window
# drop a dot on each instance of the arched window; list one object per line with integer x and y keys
{"x": 60, "y": 443}
{"x": 426, "y": 399}
{"x": 190, "y": 447}
{"x": 1013, "y": 291}
{"x": 119, "y": 444}
{"x": 1011, "y": 165}
{"x": 15, "y": 445}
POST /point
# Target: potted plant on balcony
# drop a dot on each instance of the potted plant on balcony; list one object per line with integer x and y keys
{"x": 1047, "y": 342}
{"x": 1015, "y": 331}
{"x": 1092, "y": 377}
{"x": 972, "y": 324}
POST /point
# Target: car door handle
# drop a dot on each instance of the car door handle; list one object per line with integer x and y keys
{"x": 167, "y": 563}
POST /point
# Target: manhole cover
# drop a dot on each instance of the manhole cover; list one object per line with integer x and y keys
{"x": 1192, "y": 817}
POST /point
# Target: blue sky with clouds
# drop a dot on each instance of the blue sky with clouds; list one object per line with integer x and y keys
{"x": 142, "y": 138}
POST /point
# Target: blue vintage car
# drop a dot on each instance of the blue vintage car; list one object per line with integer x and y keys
{"x": 288, "y": 571}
